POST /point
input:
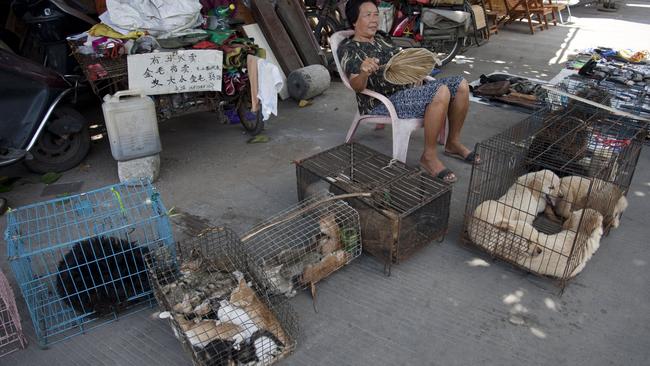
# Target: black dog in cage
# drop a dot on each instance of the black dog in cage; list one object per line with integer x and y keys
{"x": 99, "y": 275}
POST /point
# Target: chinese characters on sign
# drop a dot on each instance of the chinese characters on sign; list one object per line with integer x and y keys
{"x": 176, "y": 72}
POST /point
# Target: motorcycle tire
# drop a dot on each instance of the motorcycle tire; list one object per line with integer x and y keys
{"x": 450, "y": 54}
{"x": 252, "y": 121}
{"x": 452, "y": 47}
{"x": 53, "y": 153}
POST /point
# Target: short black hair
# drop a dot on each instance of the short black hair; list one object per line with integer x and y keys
{"x": 352, "y": 10}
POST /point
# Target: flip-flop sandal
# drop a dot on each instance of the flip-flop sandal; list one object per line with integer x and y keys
{"x": 447, "y": 176}
{"x": 470, "y": 158}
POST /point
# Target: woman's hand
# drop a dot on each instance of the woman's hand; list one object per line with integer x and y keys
{"x": 369, "y": 66}
{"x": 359, "y": 81}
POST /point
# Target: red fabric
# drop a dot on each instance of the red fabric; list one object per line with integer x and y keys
{"x": 205, "y": 45}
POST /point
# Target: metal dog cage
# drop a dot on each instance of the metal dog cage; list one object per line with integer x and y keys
{"x": 11, "y": 331}
{"x": 406, "y": 209}
{"x": 219, "y": 310}
{"x": 304, "y": 244}
{"x": 592, "y": 154}
{"x": 79, "y": 259}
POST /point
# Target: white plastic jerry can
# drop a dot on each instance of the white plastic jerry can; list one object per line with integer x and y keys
{"x": 131, "y": 124}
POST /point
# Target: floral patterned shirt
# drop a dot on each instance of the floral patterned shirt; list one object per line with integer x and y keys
{"x": 352, "y": 53}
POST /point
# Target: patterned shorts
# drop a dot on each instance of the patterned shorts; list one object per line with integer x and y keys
{"x": 412, "y": 102}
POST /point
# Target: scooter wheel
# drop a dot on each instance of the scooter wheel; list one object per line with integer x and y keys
{"x": 251, "y": 121}
{"x": 54, "y": 153}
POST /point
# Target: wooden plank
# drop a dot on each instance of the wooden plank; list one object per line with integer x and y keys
{"x": 276, "y": 35}
{"x": 254, "y": 31}
{"x": 298, "y": 28}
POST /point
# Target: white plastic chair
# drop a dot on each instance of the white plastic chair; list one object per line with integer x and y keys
{"x": 402, "y": 128}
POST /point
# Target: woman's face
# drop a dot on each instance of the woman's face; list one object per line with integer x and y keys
{"x": 368, "y": 21}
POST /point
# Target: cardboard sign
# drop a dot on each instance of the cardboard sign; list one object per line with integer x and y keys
{"x": 180, "y": 71}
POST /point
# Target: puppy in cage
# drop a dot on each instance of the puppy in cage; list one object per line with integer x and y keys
{"x": 216, "y": 312}
{"x": 605, "y": 197}
{"x": 530, "y": 195}
{"x": 553, "y": 255}
{"x": 299, "y": 266}
{"x": 100, "y": 275}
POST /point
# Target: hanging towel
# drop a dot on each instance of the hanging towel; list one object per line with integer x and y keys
{"x": 269, "y": 84}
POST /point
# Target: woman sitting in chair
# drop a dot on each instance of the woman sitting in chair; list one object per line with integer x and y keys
{"x": 361, "y": 57}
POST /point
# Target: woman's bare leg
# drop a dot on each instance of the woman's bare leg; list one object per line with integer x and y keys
{"x": 457, "y": 113}
{"x": 434, "y": 117}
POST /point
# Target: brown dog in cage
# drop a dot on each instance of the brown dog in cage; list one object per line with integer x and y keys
{"x": 552, "y": 254}
{"x": 530, "y": 195}
{"x": 602, "y": 196}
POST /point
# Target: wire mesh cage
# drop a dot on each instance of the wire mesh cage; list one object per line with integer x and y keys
{"x": 304, "y": 244}
{"x": 355, "y": 168}
{"x": 11, "y": 331}
{"x": 406, "y": 209}
{"x": 79, "y": 259}
{"x": 106, "y": 75}
{"x": 550, "y": 186}
{"x": 633, "y": 99}
{"x": 217, "y": 308}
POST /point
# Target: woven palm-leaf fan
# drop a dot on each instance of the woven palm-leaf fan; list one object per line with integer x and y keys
{"x": 409, "y": 66}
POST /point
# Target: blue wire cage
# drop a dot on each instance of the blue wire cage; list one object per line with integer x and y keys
{"x": 79, "y": 259}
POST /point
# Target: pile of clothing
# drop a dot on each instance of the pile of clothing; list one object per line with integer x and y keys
{"x": 511, "y": 90}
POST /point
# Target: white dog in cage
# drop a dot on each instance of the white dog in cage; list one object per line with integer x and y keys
{"x": 602, "y": 196}
{"x": 530, "y": 195}
{"x": 579, "y": 238}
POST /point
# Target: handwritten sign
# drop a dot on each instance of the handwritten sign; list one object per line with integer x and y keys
{"x": 180, "y": 71}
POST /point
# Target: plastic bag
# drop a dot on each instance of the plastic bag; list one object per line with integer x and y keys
{"x": 386, "y": 15}
{"x": 158, "y": 17}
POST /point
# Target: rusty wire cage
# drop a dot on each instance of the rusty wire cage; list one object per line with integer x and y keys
{"x": 304, "y": 244}
{"x": 219, "y": 310}
{"x": 105, "y": 75}
{"x": 407, "y": 208}
{"x": 550, "y": 186}
{"x": 11, "y": 332}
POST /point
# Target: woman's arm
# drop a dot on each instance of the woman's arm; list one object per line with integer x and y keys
{"x": 359, "y": 81}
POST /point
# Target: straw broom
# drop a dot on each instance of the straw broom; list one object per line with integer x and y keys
{"x": 410, "y": 66}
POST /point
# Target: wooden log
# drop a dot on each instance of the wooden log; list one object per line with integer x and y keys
{"x": 308, "y": 82}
